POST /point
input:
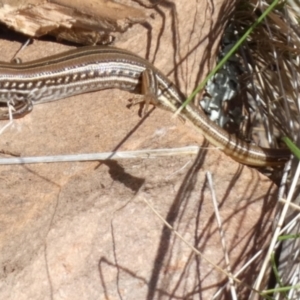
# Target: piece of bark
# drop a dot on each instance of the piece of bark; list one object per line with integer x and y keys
{"x": 83, "y": 22}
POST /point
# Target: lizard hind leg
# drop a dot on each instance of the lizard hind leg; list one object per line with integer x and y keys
{"x": 148, "y": 93}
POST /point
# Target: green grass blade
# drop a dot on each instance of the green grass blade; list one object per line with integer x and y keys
{"x": 294, "y": 149}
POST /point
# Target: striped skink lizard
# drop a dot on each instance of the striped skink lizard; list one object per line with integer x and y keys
{"x": 95, "y": 68}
